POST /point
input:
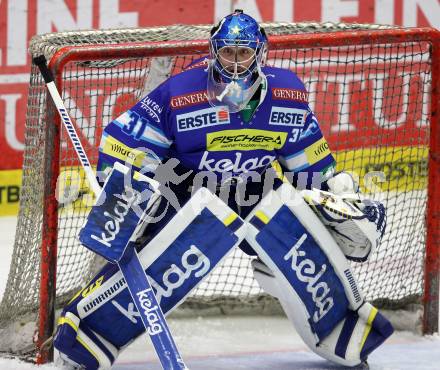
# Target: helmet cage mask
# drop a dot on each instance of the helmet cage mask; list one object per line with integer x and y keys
{"x": 234, "y": 67}
{"x": 234, "y": 78}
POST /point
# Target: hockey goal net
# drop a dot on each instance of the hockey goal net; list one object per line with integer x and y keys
{"x": 374, "y": 89}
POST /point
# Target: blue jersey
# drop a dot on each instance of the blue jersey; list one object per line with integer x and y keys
{"x": 175, "y": 120}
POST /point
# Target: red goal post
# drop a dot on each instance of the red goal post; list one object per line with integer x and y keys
{"x": 374, "y": 89}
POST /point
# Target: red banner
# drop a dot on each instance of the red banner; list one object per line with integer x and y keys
{"x": 21, "y": 19}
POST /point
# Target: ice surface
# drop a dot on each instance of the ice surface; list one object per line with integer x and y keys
{"x": 260, "y": 343}
{"x": 241, "y": 342}
{"x": 7, "y": 234}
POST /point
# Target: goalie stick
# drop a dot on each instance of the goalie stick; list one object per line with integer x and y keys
{"x": 129, "y": 264}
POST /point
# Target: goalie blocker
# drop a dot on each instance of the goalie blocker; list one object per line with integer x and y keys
{"x": 102, "y": 319}
{"x": 305, "y": 269}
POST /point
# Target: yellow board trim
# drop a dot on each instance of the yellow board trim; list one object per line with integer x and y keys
{"x": 371, "y": 318}
{"x": 230, "y": 219}
{"x": 262, "y": 216}
{"x": 10, "y": 183}
{"x": 405, "y": 168}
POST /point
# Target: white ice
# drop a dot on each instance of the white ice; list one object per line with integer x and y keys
{"x": 241, "y": 342}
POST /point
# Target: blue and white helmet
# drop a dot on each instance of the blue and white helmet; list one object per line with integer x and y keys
{"x": 238, "y": 48}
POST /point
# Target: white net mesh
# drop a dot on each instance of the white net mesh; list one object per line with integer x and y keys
{"x": 359, "y": 94}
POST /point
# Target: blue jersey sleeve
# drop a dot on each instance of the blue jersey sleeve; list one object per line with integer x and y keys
{"x": 308, "y": 157}
{"x": 139, "y": 136}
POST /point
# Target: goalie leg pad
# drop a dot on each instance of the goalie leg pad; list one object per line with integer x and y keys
{"x": 313, "y": 280}
{"x": 359, "y": 334}
{"x": 176, "y": 260}
{"x": 350, "y": 342}
{"x": 79, "y": 345}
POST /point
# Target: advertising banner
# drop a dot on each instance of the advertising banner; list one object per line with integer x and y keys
{"x": 21, "y": 19}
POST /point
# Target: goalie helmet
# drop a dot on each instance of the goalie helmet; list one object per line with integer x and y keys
{"x": 238, "y": 48}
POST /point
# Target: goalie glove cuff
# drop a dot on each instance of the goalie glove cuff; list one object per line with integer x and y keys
{"x": 356, "y": 225}
{"x": 376, "y": 213}
{"x": 342, "y": 183}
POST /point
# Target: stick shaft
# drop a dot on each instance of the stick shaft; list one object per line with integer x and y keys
{"x": 131, "y": 268}
{"x": 67, "y": 122}
{"x": 151, "y": 314}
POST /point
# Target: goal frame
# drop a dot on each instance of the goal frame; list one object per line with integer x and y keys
{"x": 156, "y": 49}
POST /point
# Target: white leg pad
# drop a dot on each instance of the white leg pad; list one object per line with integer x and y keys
{"x": 303, "y": 267}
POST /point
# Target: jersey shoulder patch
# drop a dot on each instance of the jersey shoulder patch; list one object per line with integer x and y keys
{"x": 198, "y": 63}
{"x": 188, "y": 89}
{"x": 284, "y": 84}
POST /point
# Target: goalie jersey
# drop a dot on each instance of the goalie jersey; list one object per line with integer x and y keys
{"x": 175, "y": 120}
